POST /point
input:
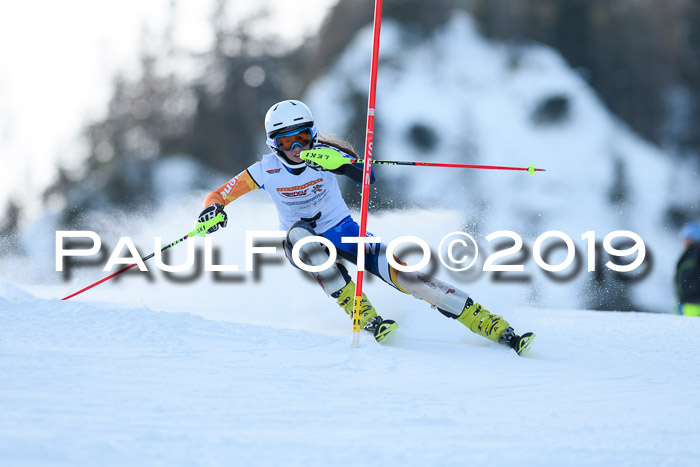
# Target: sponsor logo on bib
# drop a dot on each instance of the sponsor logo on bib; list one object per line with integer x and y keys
{"x": 302, "y": 191}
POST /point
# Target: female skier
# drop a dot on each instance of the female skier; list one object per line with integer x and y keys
{"x": 309, "y": 203}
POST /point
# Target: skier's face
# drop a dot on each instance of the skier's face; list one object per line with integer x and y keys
{"x": 293, "y": 154}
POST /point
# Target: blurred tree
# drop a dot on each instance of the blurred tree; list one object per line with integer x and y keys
{"x": 144, "y": 120}
{"x": 341, "y": 25}
{"x": 418, "y": 15}
{"x": 628, "y": 50}
{"x": 9, "y": 223}
{"x": 348, "y": 16}
{"x": 215, "y": 117}
{"x": 690, "y": 75}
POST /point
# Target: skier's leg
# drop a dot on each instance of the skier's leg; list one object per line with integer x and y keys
{"x": 450, "y": 301}
{"x": 335, "y": 280}
{"x": 454, "y": 303}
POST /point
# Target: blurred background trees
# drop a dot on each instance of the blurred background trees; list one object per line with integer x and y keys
{"x": 641, "y": 56}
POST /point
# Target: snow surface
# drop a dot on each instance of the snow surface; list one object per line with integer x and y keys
{"x": 254, "y": 369}
{"x": 89, "y": 383}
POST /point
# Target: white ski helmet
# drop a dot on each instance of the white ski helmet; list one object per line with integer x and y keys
{"x": 287, "y": 116}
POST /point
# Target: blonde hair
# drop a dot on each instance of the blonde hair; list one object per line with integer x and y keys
{"x": 338, "y": 144}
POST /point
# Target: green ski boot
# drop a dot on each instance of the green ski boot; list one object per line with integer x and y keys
{"x": 369, "y": 320}
{"x": 493, "y": 327}
{"x": 480, "y": 321}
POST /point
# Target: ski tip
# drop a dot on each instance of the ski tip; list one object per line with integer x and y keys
{"x": 387, "y": 327}
{"x": 524, "y": 342}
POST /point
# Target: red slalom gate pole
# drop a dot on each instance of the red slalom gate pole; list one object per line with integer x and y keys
{"x": 369, "y": 139}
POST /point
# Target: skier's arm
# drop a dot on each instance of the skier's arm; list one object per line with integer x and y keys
{"x": 335, "y": 161}
{"x": 216, "y": 200}
{"x": 235, "y": 188}
{"x": 355, "y": 172}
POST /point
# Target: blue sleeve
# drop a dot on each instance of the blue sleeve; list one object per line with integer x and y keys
{"x": 355, "y": 172}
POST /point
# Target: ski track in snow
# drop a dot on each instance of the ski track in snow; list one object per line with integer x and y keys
{"x": 88, "y": 383}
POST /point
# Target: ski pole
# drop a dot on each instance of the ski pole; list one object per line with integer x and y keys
{"x": 531, "y": 169}
{"x": 200, "y": 229}
{"x": 320, "y": 155}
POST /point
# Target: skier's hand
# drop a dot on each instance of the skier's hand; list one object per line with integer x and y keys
{"x": 211, "y": 212}
{"x": 324, "y": 159}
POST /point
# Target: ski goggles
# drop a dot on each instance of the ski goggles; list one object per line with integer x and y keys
{"x": 287, "y": 141}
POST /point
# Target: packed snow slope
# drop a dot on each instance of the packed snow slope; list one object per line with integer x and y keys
{"x": 255, "y": 368}
{"x": 97, "y": 383}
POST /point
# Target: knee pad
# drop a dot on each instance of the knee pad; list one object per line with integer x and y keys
{"x": 315, "y": 254}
